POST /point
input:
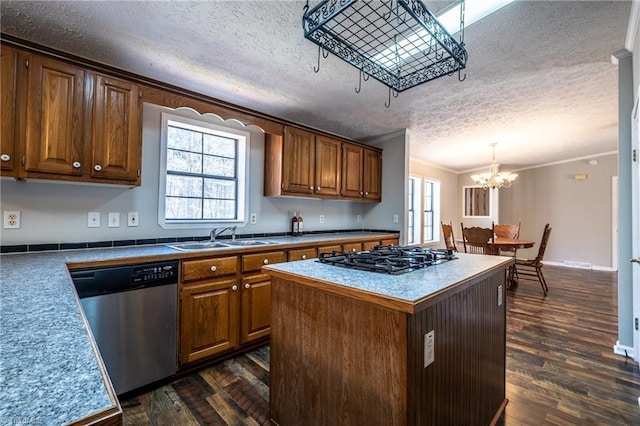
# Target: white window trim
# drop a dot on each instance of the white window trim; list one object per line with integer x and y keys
{"x": 436, "y": 210}
{"x": 417, "y": 210}
{"x": 243, "y": 137}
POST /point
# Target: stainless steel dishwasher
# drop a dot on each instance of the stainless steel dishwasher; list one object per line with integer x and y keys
{"x": 132, "y": 312}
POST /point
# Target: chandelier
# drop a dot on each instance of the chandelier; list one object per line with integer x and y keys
{"x": 493, "y": 179}
{"x": 398, "y": 42}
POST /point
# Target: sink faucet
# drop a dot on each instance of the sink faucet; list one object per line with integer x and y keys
{"x": 215, "y": 233}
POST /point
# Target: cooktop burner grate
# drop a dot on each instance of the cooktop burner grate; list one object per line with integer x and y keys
{"x": 388, "y": 259}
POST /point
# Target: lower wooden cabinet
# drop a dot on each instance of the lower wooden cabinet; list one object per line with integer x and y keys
{"x": 255, "y": 309}
{"x": 209, "y": 319}
{"x": 225, "y": 300}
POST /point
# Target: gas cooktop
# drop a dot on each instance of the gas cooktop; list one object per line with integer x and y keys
{"x": 388, "y": 259}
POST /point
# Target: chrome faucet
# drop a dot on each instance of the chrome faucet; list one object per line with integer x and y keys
{"x": 215, "y": 233}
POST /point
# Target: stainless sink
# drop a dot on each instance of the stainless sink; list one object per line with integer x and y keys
{"x": 204, "y": 245}
{"x": 246, "y": 243}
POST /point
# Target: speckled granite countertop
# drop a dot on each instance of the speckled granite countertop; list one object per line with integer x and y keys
{"x": 49, "y": 373}
{"x": 406, "y": 292}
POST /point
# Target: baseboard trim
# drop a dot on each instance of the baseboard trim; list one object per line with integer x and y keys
{"x": 625, "y": 351}
{"x": 593, "y": 268}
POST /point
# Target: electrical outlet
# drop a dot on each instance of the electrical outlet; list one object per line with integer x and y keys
{"x": 321, "y": 218}
{"x": 429, "y": 342}
{"x": 395, "y": 218}
{"x": 11, "y": 220}
{"x": 114, "y": 220}
{"x": 93, "y": 220}
{"x": 254, "y": 219}
{"x": 359, "y": 218}
{"x": 132, "y": 219}
{"x": 500, "y": 295}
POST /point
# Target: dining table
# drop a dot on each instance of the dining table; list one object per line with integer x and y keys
{"x": 511, "y": 243}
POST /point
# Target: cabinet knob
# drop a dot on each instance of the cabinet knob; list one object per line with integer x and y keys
{"x": 304, "y": 257}
{"x": 76, "y": 164}
{"x": 361, "y": 193}
{"x": 5, "y": 157}
{"x": 353, "y": 250}
{"x": 317, "y": 188}
{"x": 213, "y": 268}
{"x": 247, "y": 285}
{"x": 234, "y": 288}
{"x": 266, "y": 261}
{"x": 311, "y": 188}
{"x": 97, "y": 167}
{"x": 366, "y": 193}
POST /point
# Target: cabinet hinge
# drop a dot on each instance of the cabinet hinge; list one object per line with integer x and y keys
{"x": 138, "y": 172}
{"x": 636, "y": 321}
{"x": 24, "y": 160}
{"x": 282, "y": 185}
{"x": 140, "y": 94}
{"x": 26, "y": 63}
{"x": 634, "y": 155}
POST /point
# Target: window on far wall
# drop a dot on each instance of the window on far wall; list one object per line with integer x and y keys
{"x": 431, "y": 212}
{"x": 413, "y": 219}
{"x": 202, "y": 173}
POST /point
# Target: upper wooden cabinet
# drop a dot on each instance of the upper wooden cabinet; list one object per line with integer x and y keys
{"x": 361, "y": 173}
{"x": 116, "y": 130}
{"x": 8, "y": 74}
{"x": 302, "y": 163}
{"x": 54, "y": 119}
{"x": 67, "y": 122}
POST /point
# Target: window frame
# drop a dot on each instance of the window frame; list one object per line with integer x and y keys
{"x": 435, "y": 212}
{"x": 242, "y": 170}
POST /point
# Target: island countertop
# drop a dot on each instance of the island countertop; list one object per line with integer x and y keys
{"x": 49, "y": 372}
{"x": 409, "y": 292}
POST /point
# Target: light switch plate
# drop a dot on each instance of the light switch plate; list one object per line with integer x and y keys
{"x": 395, "y": 218}
{"x": 114, "y": 220}
{"x": 93, "y": 220}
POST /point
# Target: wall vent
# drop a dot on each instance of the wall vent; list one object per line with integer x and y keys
{"x": 574, "y": 264}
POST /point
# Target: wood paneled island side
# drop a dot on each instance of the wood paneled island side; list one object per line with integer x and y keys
{"x": 348, "y": 347}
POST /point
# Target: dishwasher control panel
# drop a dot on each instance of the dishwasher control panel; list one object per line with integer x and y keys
{"x": 154, "y": 272}
{"x": 114, "y": 279}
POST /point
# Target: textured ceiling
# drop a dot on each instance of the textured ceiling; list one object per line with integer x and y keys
{"x": 539, "y": 77}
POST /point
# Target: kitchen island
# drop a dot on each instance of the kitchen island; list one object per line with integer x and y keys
{"x": 359, "y": 347}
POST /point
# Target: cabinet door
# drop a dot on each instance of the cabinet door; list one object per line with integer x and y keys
{"x": 117, "y": 130}
{"x": 9, "y": 63}
{"x": 54, "y": 117}
{"x": 255, "y": 310}
{"x": 298, "y": 161}
{"x": 351, "y": 171}
{"x": 328, "y": 166}
{"x": 372, "y": 175}
{"x": 209, "y": 319}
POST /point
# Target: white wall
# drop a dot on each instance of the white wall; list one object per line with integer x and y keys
{"x": 395, "y": 173}
{"x": 57, "y": 212}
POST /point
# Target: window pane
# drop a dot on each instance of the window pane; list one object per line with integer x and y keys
{"x": 183, "y": 139}
{"x": 218, "y": 145}
{"x": 185, "y": 186}
{"x": 219, "y": 166}
{"x": 215, "y": 188}
{"x": 183, "y": 208}
{"x": 219, "y": 209}
{"x": 183, "y": 161}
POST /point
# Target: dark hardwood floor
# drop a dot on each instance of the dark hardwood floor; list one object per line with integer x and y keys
{"x": 561, "y": 369}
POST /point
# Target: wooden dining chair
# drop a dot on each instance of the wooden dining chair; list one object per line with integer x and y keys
{"x": 477, "y": 240}
{"x": 510, "y": 231}
{"x": 449, "y": 239}
{"x": 531, "y": 269}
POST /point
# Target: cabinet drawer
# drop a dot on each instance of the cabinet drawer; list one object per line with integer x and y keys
{"x": 353, "y": 247}
{"x": 368, "y": 245}
{"x": 329, "y": 249}
{"x": 390, "y": 242}
{"x": 302, "y": 254}
{"x": 253, "y": 262}
{"x": 209, "y": 268}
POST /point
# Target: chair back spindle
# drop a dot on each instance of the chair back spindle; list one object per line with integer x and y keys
{"x": 449, "y": 239}
{"x": 477, "y": 240}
